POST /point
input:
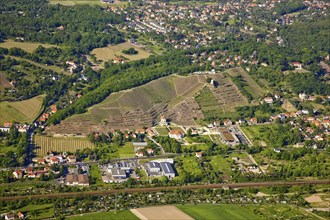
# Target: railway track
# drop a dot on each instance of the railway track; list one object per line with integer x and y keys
{"x": 168, "y": 188}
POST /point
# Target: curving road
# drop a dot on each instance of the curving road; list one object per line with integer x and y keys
{"x": 169, "y": 188}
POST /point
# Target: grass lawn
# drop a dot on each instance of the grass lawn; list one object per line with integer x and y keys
{"x": 38, "y": 211}
{"x": 237, "y": 212}
{"x": 27, "y": 46}
{"x": 110, "y": 52}
{"x": 190, "y": 165}
{"x": 162, "y": 131}
{"x": 119, "y": 215}
{"x": 218, "y": 212}
{"x": 196, "y": 147}
{"x": 220, "y": 163}
{"x": 21, "y": 111}
{"x": 126, "y": 151}
{"x": 95, "y": 173}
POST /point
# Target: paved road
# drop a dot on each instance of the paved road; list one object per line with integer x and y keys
{"x": 157, "y": 189}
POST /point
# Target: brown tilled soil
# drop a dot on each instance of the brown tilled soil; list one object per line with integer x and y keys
{"x": 161, "y": 213}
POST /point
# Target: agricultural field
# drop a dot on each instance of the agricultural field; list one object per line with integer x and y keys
{"x": 208, "y": 103}
{"x": 21, "y": 111}
{"x": 4, "y": 83}
{"x": 253, "y": 212}
{"x": 160, "y": 212}
{"x": 27, "y": 46}
{"x": 288, "y": 106}
{"x": 252, "y": 87}
{"x": 139, "y": 107}
{"x": 45, "y": 144}
{"x": 112, "y": 51}
{"x": 181, "y": 99}
{"x": 118, "y": 215}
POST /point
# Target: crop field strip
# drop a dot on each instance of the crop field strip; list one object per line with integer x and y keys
{"x": 21, "y": 111}
{"x": 138, "y": 107}
{"x": 45, "y": 144}
{"x": 253, "y": 88}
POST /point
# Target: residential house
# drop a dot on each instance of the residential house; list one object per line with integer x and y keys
{"x": 53, "y": 108}
{"x": 54, "y": 160}
{"x": 199, "y": 154}
{"x": 18, "y": 174}
{"x": 268, "y": 100}
{"x": 163, "y": 121}
{"x": 297, "y": 65}
{"x": 228, "y": 122}
{"x": 20, "y": 215}
{"x": 72, "y": 159}
{"x": 253, "y": 121}
{"x": 7, "y": 124}
{"x": 77, "y": 179}
{"x": 277, "y": 150}
{"x": 139, "y": 154}
{"x": 150, "y": 151}
{"x": 176, "y": 134}
{"x": 10, "y": 216}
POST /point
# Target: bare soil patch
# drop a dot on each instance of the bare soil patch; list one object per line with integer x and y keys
{"x": 313, "y": 199}
{"x": 161, "y": 213}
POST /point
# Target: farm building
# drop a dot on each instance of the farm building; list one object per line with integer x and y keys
{"x": 228, "y": 137}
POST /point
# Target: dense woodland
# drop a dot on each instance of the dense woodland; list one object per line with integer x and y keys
{"x": 16, "y": 144}
{"x": 82, "y": 26}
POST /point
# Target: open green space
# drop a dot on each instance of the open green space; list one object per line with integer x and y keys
{"x": 126, "y": 151}
{"x": 44, "y": 211}
{"x": 27, "y": 46}
{"x": 220, "y": 163}
{"x": 21, "y": 111}
{"x": 248, "y": 211}
{"x": 112, "y": 51}
{"x": 190, "y": 165}
{"x": 162, "y": 131}
{"x": 195, "y": 147}
{"x": 219, "y": 212}
{"x": 208, "y": 103}
{"x": 118, "y": 215}
{"x": 95, "y": 174}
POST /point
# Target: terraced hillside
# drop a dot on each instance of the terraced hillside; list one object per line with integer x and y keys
{"x": 175, "y": 96}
